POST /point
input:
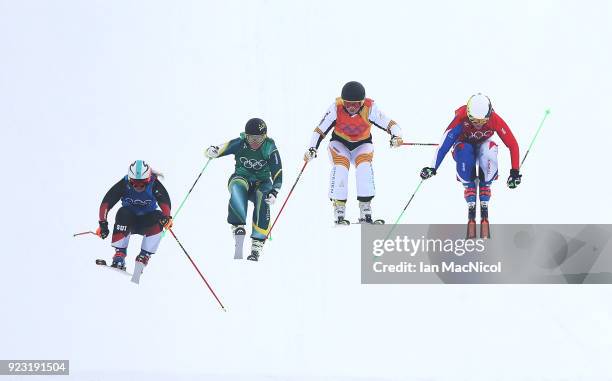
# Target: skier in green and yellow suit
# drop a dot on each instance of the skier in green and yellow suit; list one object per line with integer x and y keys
{"x": 257, "y": 178}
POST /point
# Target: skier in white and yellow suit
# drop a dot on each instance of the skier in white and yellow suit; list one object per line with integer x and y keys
{"x": 351, "y": 117}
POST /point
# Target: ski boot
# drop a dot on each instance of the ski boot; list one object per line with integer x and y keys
{"x": 118, "y": 259}
{"x": 239, "y": 233}
{"x": 339, "y": 210}
{"x": 365, "y": 211}
{"x": 256, "y": 249}
{"x": 471, "y": 225}
{"x": 143, "y": 257}
{"x": 485, "y": 232}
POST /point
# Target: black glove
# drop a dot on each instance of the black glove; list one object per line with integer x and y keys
{"x": 310, "y": 154}
{"x": 514, "y": 179}
{"x": 103, "y": 229}
{"x": 165, "y": 222}
{"x": 271, "y": 197}
{"x": 427, "y": 172}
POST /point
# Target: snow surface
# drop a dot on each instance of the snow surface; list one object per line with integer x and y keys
{"x": 89, "y": 86}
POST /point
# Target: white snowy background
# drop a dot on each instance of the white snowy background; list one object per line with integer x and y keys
{"x": 87, "y": 87}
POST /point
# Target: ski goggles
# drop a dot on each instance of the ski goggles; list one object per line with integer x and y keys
{"x": 478, "y": 122}
{"x": 140, "y": 183}
{"x": 255, "y": 140}
{"x": 352, "y": 106}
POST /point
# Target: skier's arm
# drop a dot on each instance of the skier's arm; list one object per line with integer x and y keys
{"x": 325, "y": 125}
{"x": 111, "y": 198}
{"x": 276, "y": 170}
{"x": 450, "y": 137}
{"x": 508, "y": 138}
{"x": 230, "y": 147}
{"x": 380, "y": 120}
{"x": 162, "y": 197}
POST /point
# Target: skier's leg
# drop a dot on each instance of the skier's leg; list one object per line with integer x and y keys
{"x": 487, "y": 162}
{"x": 152, "y": 233}
{"x": 464, "y": 155}
{"x": 338, "y": 180}
{"x": 261, "y": 219}
{"x": 237, "y": 209}
{"x": 124, "y": 223}
{"x": 261, "y": 210}
{"x": 339, "y": 155}
{"x": 362, "y": 158}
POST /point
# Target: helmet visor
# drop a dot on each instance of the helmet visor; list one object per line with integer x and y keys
{"x": 255, "y": 141}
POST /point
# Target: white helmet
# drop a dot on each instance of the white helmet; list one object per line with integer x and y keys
{"x": 479, "y": 108}
{"x": 139, "y": 170}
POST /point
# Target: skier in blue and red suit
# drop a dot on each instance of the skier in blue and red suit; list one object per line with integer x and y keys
{"x": 140, "y": 193}
{"x": 470, "y": 135}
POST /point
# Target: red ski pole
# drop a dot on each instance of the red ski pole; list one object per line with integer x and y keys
{"x": 286, "y": 199}
{"x": 83, "y": 233}
{"x": 420, "y": 144}
{"x": 198, "y": 270}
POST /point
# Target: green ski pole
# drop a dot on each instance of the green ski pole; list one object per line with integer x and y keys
{"x": 405, "y": 207}
{"x": 189, "y": 192}
{"x": 534, "y": 137}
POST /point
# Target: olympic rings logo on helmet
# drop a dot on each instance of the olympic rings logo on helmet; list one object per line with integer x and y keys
{"x": 252, "y": 163}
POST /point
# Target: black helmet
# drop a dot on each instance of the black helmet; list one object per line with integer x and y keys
{"x": 353, "y": 91}
{"x": 256, "y": 126}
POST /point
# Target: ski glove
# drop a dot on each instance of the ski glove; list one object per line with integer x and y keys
{"x": 396, "y": 141}
{"x": 212, "y": 152}
{"x": 310, "y": 154}
{"x": 271, "y": 197}
{"x": 427, "y": 172}
{"x": 102, "y": 231}
{"x": 514, "y": 179}
{"x": 165, "y": 222}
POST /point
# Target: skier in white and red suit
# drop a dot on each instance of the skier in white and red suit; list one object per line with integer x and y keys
{"x": 470, "y": 135}
{"x": 145, "y": 210}
{"x": 351, "y": 118}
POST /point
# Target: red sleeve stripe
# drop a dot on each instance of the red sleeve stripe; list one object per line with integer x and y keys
{"x": 103, "y": 211}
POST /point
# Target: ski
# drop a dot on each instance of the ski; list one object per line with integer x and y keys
{"x": 485, "y": 232}
{"x": 239, "y": 234}
{"x": 373, "y": 222}
{"x": 471, "y": 229}
{"x": 138, "y": 268}
{"x": 102, "y": 263}
{"x": 342, "y": 222}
